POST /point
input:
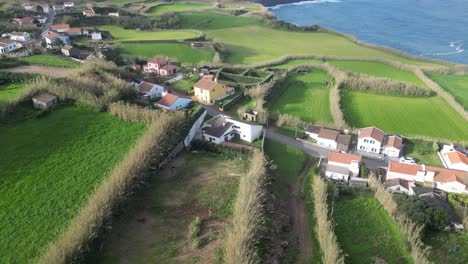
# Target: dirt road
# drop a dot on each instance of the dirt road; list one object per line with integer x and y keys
{"x": 50, "y": 71}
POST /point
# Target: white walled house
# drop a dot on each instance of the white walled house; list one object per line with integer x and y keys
{"x": 327, "y": 138}
{"x": 312, "y": 131}
{"x": 7, "y": 45}
{"x": 171, "y": 101}
{"x": 45, "y": 8}
{"x": 221, "y": 128}
{"x": 17, "y": 36}
{"x": 341, "y": 166}
{"x": 398, "y": 185}
{"x": 409, "y": 172}
{"x": 51, "y": 39}
{"x": 393, "y": 146}
{"x": 150, "y": 90}
{"x": 370, "y": 139}
{"x": 68, "y": 4}
{"x": 453, "y": 158}
{"x": 451, "y": 181}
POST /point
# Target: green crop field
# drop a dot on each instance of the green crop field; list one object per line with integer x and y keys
{"x": 9, "y": 91}
{"x": 50, "y": 61}
{"x": 365, "y": 231}
{"x": 179, "y": 7}
{"x": 379, "y": 70}
{"x": 179, "y": 51}
{"x": 457, "y": 85}
{"x": 304, "y": 96}
{"x": 412, "y": 116}
{"x": 122, "y": 34}
{"x": 211, "y": 21}
{"x": 296, "y": 62}
{"x": 289, "y": 160}
{"x": 50, "y": 165}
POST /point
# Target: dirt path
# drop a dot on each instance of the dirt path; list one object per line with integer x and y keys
{"x": 50, "y": 71}
{"x": 299, "y": 215}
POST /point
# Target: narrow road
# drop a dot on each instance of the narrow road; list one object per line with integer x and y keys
{"x": 311, "y": 150}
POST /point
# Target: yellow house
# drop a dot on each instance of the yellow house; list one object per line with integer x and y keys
{"x": 207, "y": 91}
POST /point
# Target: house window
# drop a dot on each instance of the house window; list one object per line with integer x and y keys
{"x": 372, "y": 141}
{"x": 373, "y": 149}
{"x": 366, "y": 141}
{"x": 362, "y": 147}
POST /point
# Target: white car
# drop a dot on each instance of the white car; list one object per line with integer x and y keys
{"x": 407, "y": 160}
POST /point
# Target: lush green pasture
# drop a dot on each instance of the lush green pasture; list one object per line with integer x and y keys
{"x": 424, "y": 152}
{"x": 50, "y": 165}
{"x": 211, "y": 21}
{"x": 441, "y": 244}
{"x": 304, "y": 96}
{"x": 179, "y": 51}
{"x": 365, "y": 231}
{"x": 426, "y": 116}
{"x": 9, "y": 91}
{"x": 292, "y": 63}
{"x": 185, "y": 84}
{"x": 180, "y": 7}
{"x": 379, "y": 70}
{"x": 194, "y": 185}
{"x": 50, "y": 61}
{"x": 289, "y": 160}
{"x": 457, "y": 85}
{"x": 122, "y": 34}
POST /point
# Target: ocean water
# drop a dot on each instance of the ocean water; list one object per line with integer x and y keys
{"x": 429, "y": 28}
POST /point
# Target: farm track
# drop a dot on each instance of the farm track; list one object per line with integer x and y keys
{"x": 50, "y": 71}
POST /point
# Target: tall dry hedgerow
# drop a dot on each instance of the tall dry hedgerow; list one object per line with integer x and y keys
{"x": 133, "y": 113}
{"x": 152, "y": 147}
{"x": 243, "y": 235}
{"x": 331, "y": 252}
{"x": 410, "y": 230}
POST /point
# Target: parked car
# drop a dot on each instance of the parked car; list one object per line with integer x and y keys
{"x": 407, "y": 160}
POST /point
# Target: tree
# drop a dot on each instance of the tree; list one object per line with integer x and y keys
{"x": 438, "y": 218}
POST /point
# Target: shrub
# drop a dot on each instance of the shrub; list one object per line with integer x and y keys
{"x": 133, "y": 113}
{"x": 195, "y": 231}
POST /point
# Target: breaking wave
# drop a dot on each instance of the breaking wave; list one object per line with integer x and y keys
{"x": 458, "y": 45}
{"x": 305, "y": 3}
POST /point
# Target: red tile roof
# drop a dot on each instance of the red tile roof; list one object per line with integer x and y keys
{"x": 209, "y": 77}
{"x": 60, "y": 26}
{"x": 456, "y": 157}
{"x": 343, "y": 158}
{"x": 448, "y": 175}
{"x": 372, "y": 132}
{"x": 146, "y": 86}
{"x": 168, "y": 99}
{"x": 159, "y": 60}
{"x": 52, "y": 35}
{"x": 394, "y": 141}
{"x": 328, "y": 134}
{"x": 205, "y": 84}
{"x": 404, "y": 168}
{"x": 74, "y": 30}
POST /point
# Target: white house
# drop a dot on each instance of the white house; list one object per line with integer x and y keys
{"x": 45, "y": 8}
{"x": 7, "y": 45}
{"x": 370, "y": 139}
{"x": 409, "y": 172}
{"x": 51, "y": 39}
{"x": 327, "y": 138}
{"x": 453, "y": 158}
{"x": 96, "y": 36}
{"x": 222, "y": 128}
{"x": 400, "y": 186}
{"x": 68, "y": 4}
{"x": 392, "y": 146}
{"x": 312, "y": 131}
{"x": 449, "y": 180}
{"x": 171, "y": 101}
{"x": 18, "y": 36}
{"x": 28, "y": 6}
{"x": 150, "y": 90}
{"x": 341, "y": 166}
{"x": 58, "y": 8}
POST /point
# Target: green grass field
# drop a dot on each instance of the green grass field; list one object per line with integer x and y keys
{"x": 178, "y": 51}
{"x": 365, "y": 231}
{"x": 289, "y": 160}
{"x": 9, "y": 91}
{"x": 212, "y": 21}
{"x": 379, "y": 70}
{"x": 305, "y": 96}
{"x": 121, "y": 34}
{"x": 50, "y": 61}
{"x": 412, "y": 116}
{"x": 185, "y": 84}
{"x": 457, "y": 85}
{"x": 292, "y": 63}
{"x": 424, "y": 152}
{"x": 316, "y": 257}
{"x": 179, "y": 7}
{"x": 443, "y": 242}
{"x": 50, "y": 165}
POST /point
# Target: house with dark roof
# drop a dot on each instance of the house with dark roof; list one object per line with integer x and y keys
{"x": 454, "y": 157}
{"x": 171, "y": 101}
{"x": 398, "y": 185}
{"x": 149, "y": 90}
{"x": 328, "y": 138}
{"x": 392, "y": 146}
{"x": 341, "y": 166}
{"x": 44, "y": 101}
{"x": 222, "y": 128}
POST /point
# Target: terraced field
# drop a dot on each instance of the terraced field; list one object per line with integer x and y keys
{"x": 457, "y": 85}
{"x": 122, "y": 34}
{"x": 178, "y": 51}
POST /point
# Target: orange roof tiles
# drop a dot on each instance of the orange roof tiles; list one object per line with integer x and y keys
{"x": 372, "y": 132}
{"x": 343, "y": 158}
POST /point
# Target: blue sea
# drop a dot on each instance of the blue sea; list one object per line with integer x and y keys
{"x": 429, "y": 28}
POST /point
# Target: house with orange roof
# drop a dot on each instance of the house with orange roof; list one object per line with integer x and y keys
{"x": 392, "y": 146}
{"x": 453, "y": 158}
{"x": 60, "y": 28}
{"x": 341, "y": 166}
{"x": 52, "y": 39}
{"x": 208, "y": 92}
{"x": 171, "y": 101}
{"x": 370, "y": 139}
{"x": 74, "y": 32}
{"x": 89, "y": 13}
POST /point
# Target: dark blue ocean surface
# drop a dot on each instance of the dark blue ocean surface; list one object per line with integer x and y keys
{"x": 431, "y": 28}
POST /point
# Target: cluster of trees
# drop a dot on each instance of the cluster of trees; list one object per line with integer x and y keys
{"x": 418, "y": 211}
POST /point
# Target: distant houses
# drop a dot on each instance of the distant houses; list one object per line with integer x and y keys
{"x": 17, "y": 36}
{"x": 160, "y": 66}
{"x": 7, "y": 45}
{"x": 149, "y": 90}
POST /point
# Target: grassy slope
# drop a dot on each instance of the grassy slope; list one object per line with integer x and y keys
{"x": 199, "y": 185}
{"x": 185, "y": 84}
{"x": 306, "y": 97}
{"x": 457, "y": 85}
{"x": 411, "y": 116}
{"x": 288, "y": 159}
{"x": 180, "y": 52}
{"x": 212, "y": 21}
{"x": 365, "y": 231}
{"x": 49, "y": 167}
{"x": 122, "y": 34}
{"x": 379, "y": 70}
{"x": 443, "y": 242}
{"x": 50, "y": 61}
{"x": 9, "y": 91}
{"x": 179, "y": 8}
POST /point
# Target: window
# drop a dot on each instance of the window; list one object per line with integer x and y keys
{"x": 362, "y": 147}
{"x": 366, "y": 141}
{"x": 373, "y": 149}
{"x": 372, "y": 141}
